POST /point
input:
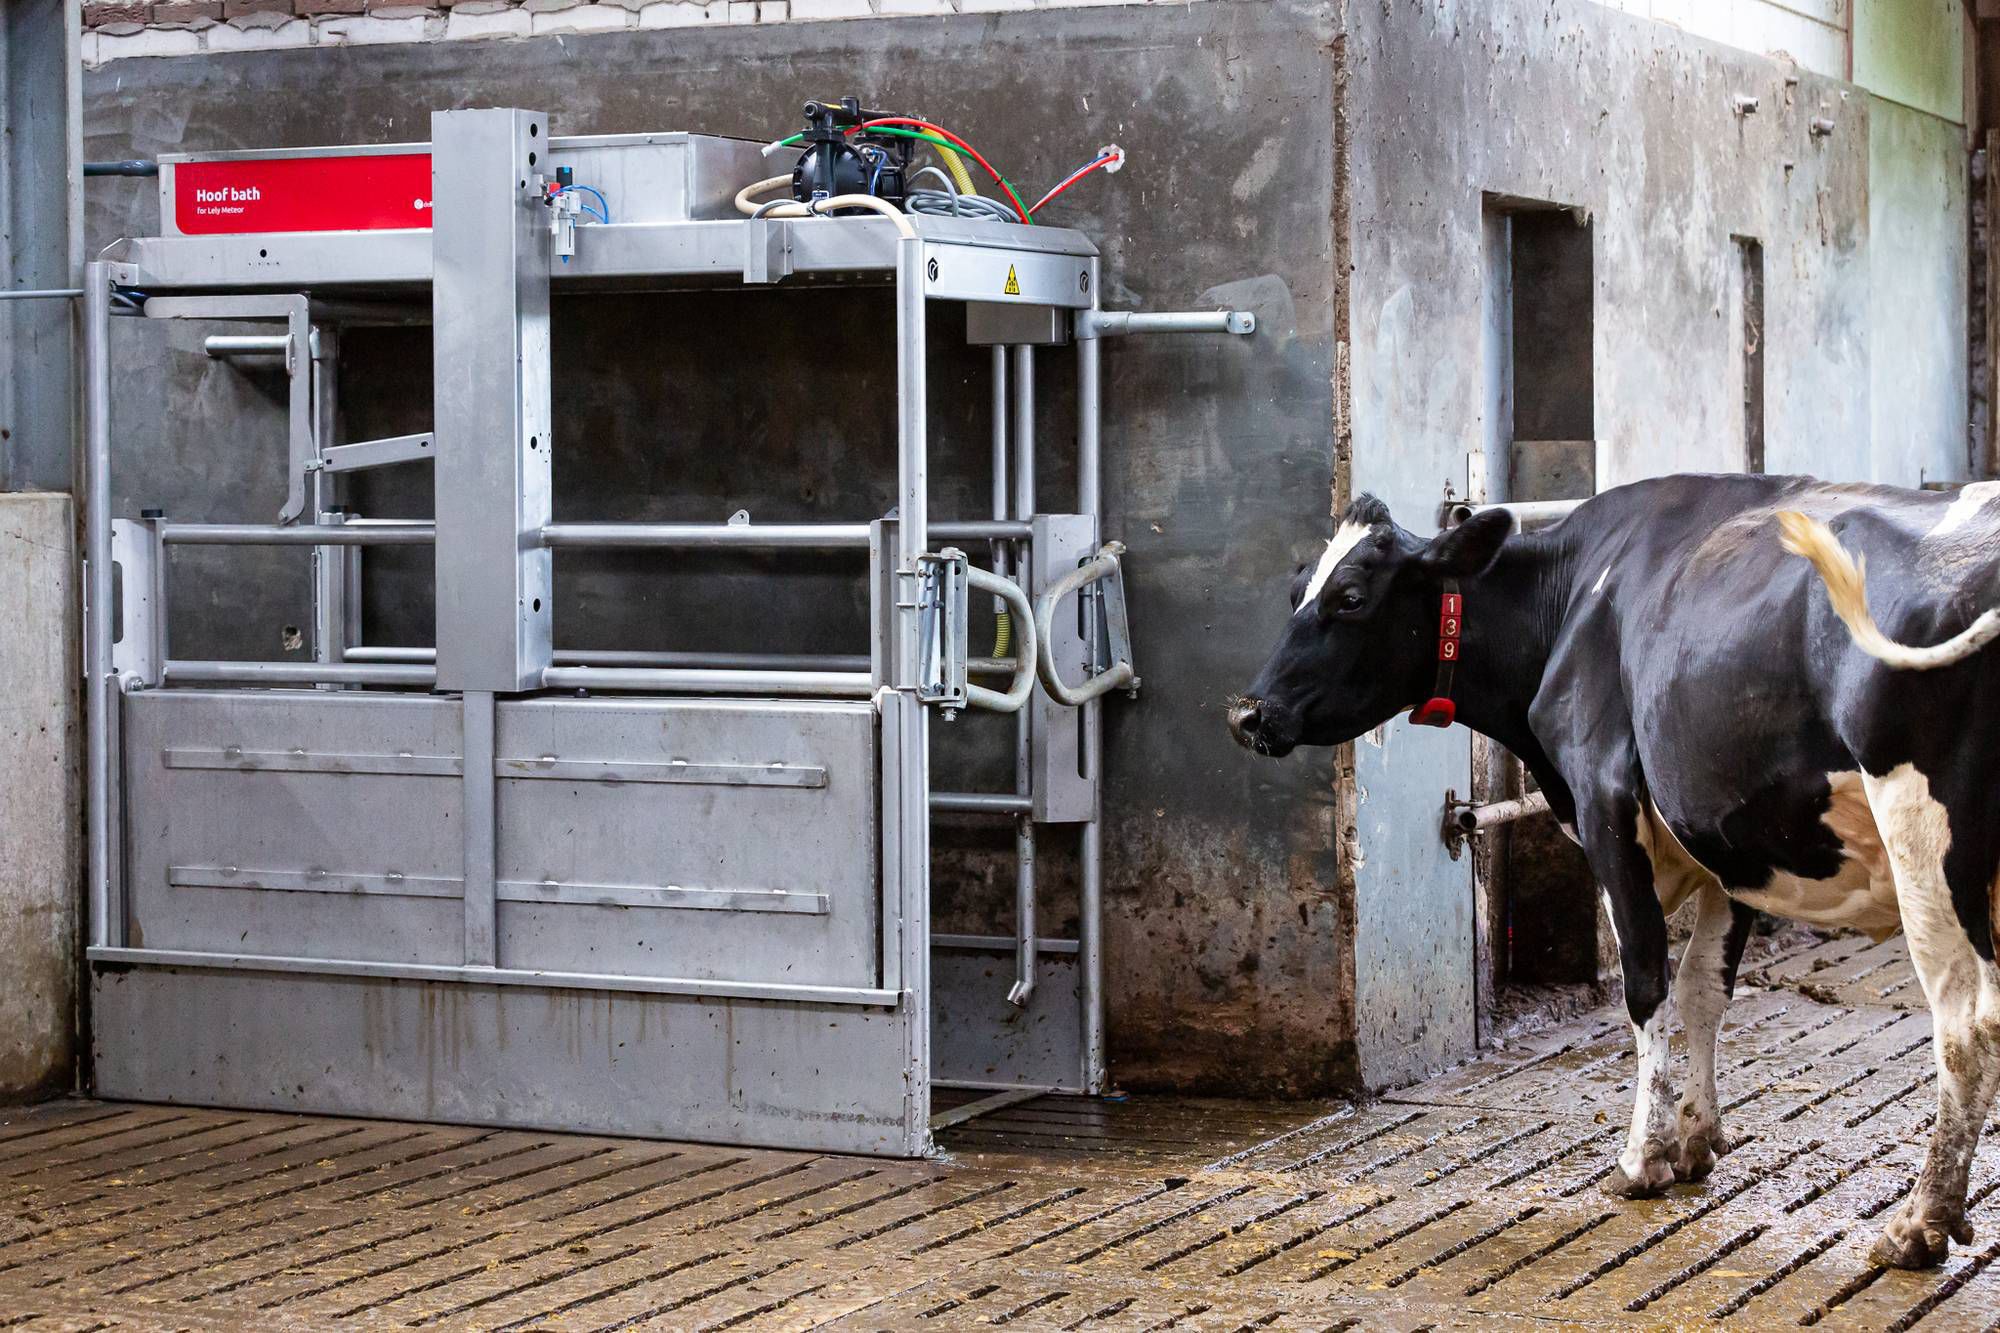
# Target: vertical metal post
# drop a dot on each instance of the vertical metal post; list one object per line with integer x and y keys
{"x": 481, "y": 858}
{"x": 329, "y": 569}
{"x": 1090, "y": 906}
{"x": 910, "y": 732}
{"x": 330, "y": 563}
{"x": 1024, "y": 828}
{"x": 490, "y": 307}
{"x": 1024, "y": 432}
{"x": 1000, "y": 478}
{"x": 100, "y": 692}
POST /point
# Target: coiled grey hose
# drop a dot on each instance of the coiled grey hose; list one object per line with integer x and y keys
{"x": 949, "y": 203}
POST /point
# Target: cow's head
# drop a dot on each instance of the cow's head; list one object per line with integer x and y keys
{"x": 1360, "y": 644}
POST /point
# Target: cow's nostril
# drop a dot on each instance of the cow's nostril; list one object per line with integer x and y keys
{"x": 1244, "y": 719}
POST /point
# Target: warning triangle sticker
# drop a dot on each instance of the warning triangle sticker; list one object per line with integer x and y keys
{"x": 1013, "y": 287}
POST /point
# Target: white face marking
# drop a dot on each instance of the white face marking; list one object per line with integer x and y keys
{"x": 1599, "y": 585}
{"x": 1969, "y": 502}
{"x": 1344, "y": 540}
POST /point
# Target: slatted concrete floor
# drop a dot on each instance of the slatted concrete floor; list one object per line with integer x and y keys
{"x": 1469, "y": 1201}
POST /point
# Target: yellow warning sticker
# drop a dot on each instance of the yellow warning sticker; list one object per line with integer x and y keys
{"x": 1013, "y": 287}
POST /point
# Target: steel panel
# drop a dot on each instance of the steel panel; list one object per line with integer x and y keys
{"x": 784, "y": 1074}
{"x": 239, "y": 823}
{"x": 598, "y": 840}
{"x": 1063, "y": 791}
{"x": 490, "y": 313}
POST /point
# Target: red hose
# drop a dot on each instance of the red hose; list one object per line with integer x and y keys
{"x": 970, "y": 151}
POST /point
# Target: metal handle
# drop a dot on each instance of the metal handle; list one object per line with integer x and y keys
{"x": 1102, "y": 565}
{"x": 1026, "y": 651}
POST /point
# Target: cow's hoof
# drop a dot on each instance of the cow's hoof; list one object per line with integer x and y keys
{"x": 1655, "y": 1175}
{"x": 1697, "y": 1156}
{"x": 1912, "y": 1241}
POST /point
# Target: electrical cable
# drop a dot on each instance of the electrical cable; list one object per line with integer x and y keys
{"x": 975, "y": 207}
{"x": 1107, "y": 159}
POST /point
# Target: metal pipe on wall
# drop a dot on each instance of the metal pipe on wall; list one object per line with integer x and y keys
{"x": 99, "y": 695}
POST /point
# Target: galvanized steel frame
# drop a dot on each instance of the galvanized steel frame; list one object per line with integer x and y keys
{"x": 947, "y": 259}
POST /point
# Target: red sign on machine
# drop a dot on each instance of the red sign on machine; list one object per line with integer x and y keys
{"x": 356, "y": 192}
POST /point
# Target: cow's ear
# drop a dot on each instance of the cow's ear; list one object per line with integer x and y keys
{"x": 1466, "y": 550}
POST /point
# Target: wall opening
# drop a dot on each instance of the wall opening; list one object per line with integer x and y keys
{"x": 1537, "y": 901}
{"x": 1750, "y": 339}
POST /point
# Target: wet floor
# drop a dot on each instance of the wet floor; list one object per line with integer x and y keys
{"x": 1472, "y": 1200}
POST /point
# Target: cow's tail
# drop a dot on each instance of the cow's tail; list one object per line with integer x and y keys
{"x": 1843, "y": 575}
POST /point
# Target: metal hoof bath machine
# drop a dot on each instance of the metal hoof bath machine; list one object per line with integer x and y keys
{"x": 493, "y": 882}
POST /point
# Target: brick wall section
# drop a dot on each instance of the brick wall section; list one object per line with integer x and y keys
{"x": 117, "y": 29}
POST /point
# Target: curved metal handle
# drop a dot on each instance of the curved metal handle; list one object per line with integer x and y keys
{"x": 1026, "y": 650}
{"x": 1101, "y": 565}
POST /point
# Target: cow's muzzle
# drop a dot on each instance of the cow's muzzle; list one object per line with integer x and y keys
{"x": 1255, "y": 727}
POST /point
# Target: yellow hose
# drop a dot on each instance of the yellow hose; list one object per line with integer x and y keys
{"x": 1003, "y": 633}
{"x": 963, "y": 180}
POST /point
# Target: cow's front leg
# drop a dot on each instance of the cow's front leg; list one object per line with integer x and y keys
{"x": 1703, "y": 984}
{"x": 1609, "y": 832}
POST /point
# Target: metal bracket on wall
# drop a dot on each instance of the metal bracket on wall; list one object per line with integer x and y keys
{"x": 1464, "y": 821}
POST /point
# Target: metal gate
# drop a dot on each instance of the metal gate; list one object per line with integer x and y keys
{"x": 499, "y": 883}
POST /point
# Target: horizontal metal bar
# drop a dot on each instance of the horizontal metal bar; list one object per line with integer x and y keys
{"x": 993, "y": 1085}
{"x": 677, "y": 771}
{"x": 674, "y": 897}
{"x": 1479, "y": 818}
{"x": 668, "y": 680}
{"x": 378, "y": 453}
{"x": 1528, "y": 514}
{"x": 496, "y": 976}
{"x": 1117, "y": 323}
{"x": 669, "y": 896}
{"x": 980, "y": 803}
{"x": 635, "y": 535}
{"x": 221, "y": 345}
{"x": 128, "y": 167}
{"x": 271, "y": 534}
{"x": 235, "y": 759}
{"x": 1006, "y": 944}
{"x": 993, "y": 1101}
{"x": 619, "y": 657}
{"x": 391, "y": 884}
{"x": 982, "y": 530}
{"x": 40, "y": 293}
{"x": 297, "y": 673}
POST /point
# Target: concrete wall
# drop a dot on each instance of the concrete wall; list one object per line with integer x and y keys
{"x": 40, "y": 795}
{"x": 1631, "y": 121}
{"x": 1227, "y": 935}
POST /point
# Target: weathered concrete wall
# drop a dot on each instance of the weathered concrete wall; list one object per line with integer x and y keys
{"x": 1580, "y": 105}
{"x": 1918, "y": 289}
{"x": 1227, "y": 939}
{"x": 40, "y": 830}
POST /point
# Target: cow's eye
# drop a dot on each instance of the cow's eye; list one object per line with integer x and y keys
{"x": 1351, "y": 599}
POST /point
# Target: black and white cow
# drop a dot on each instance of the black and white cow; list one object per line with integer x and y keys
{"x": 1706, "y": 726}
